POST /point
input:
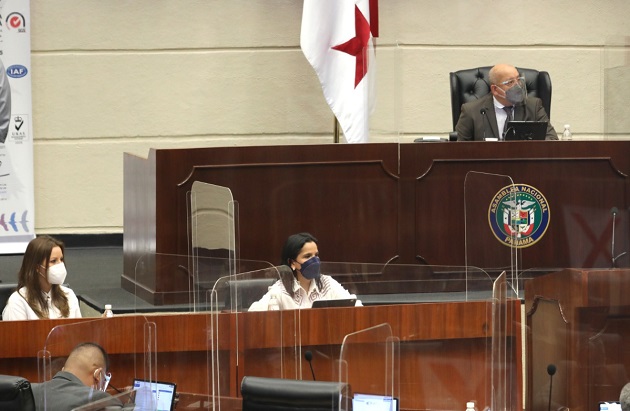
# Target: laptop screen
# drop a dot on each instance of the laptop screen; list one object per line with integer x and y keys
{"x": 371, "y": 402}
{"x": 159, "y": 396}
{"x": 609, "y": 406}
{"x": 526, "y": 130}
{"x": 343, "y": 302}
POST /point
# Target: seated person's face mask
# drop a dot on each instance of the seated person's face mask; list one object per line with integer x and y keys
{"x": 310, "y": 268}
{"x": 517, "y": 93}
{"x": 102, "y": 379}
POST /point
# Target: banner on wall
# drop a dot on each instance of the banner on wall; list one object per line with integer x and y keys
{"x": 17, "y": 204}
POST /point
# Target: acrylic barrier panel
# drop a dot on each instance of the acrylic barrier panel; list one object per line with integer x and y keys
{"x": 505, "y": 324}
{"x": 500, "y": 217}
{"x": 383, "y": 100}
{"x": 248, "y": 337}
{"x": 441, "y": 315}
{"x": 376, "y": 382}
{"x": 212, "y": 222}
{"x": 110, "y": 352}
{"x": 616, "y": 77}
{"x": 126, "y": 400}
{"x": 188, "y": 277}
{"x": 578, "y": 332}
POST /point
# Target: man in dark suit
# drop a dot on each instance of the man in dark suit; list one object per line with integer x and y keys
{"x": 486, "y": 117}
{"x": 82, "y": 381}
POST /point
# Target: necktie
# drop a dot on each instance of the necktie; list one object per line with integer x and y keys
{"x": 508, "y": 111}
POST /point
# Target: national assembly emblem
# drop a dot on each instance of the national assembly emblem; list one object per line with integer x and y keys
{"x": 519, "y": 215}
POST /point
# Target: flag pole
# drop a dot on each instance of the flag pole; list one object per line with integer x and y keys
{"x": 336, "y": 130}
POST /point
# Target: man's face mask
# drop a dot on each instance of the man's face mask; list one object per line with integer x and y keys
{"x": 517, "y": 91}
{"x": 102, "y": 379}
{"x": 310, "y": 268}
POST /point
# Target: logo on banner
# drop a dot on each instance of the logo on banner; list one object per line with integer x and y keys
{"x": 16, "y": 21}
{"x": 12, "y": 224}
{"x": 17, "y": 71}
{"x": 19, "y": 132}
{"x": 519, "y": 215}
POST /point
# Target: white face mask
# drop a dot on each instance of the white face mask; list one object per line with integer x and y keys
{"x": 57, "y": 273}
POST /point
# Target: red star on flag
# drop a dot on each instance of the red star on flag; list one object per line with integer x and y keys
{"x": 340, "y": 51}
{"x": 357, "y": 46}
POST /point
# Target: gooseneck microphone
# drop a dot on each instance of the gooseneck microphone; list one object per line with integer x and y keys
{"x": 309, "y": 357}
{"x": 614, "y": 211}
{"x": 484, "y": 113}
{"x": 551, "y": 370}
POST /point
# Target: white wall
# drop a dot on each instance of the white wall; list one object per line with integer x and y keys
{"x": 114, "y": 76}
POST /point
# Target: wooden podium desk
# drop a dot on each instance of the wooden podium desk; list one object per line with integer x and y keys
{"x": 443, "y": 348}
{"x": 379, "y": 203}
{"x": 579, "y": 321}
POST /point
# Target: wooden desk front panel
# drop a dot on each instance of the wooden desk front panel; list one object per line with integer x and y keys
{"x": 443, "y": 348}
{"x": 381, "y": 202}
{"x": 578, "y": 320}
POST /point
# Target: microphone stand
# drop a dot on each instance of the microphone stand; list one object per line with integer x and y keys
{"x": 614, "y": 212}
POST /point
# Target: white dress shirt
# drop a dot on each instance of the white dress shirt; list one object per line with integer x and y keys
{"x": 331, "y": 290}
{"x": 17, "y": 307}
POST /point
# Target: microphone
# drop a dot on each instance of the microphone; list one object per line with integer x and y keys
{"x": 483, "y": 112}
{"x": 309, "y": 357}
{"x": 551, "y": 370}
{"x": 614, "y": 211}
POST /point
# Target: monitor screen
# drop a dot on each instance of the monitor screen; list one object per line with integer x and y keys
{"x": 343, "y": 302}
{"x": 526, "y": 130}
{"x": 373, "y": 402}
{"x": 158, "y": 395}
{"x": 609, "y": 406}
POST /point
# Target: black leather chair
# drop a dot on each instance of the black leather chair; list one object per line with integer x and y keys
{"x": 15, "y": 394}
{"x": 470, "y": 84}
{"x": 240, "y": 294}
{"x": 277, "y": 394}
{"x": 5, "y": 292}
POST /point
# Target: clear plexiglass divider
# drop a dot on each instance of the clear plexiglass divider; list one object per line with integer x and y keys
{"x": 443, "y": 316}
{"x": 500, "y": 218}
{"x": 212, "y": 236}
{"x": 186, "y": 334}
{"x": 257, "y": 343}
{"x": 503, "y": 364}
{"x": 130, "y": 347}
{"x": 370, "y": 382}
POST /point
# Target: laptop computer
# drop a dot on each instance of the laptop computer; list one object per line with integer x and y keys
{"x": 526, "y": 130}
{"x": 372, "y": 402}
{"x": 609, "y": 406}
{"x": 342, "y": 302}
{"x": 154, "y": 395}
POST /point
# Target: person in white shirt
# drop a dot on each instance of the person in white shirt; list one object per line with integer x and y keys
{"x": 301, "y": 282}
{"x": 39, "y": 292}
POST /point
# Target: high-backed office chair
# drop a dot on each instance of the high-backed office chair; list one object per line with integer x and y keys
{"x": 240, "y": 294}
{"x": 277, "y": 394}
{"x": 5, "y": 292}
{"x": 15, "y": 394}
{"x": 470, "y": 84}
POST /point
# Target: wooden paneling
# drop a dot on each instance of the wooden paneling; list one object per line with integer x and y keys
{"x": 444, "y": 348}
{"x": 578, "y": 320}
{"x": 403, "y": 203}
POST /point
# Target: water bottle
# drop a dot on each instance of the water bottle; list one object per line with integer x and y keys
{"x": 108, "y": 311}
{"x": 566, "y": 134}
{"x": 273, "y": 304}
{"x": 470, "y": 406}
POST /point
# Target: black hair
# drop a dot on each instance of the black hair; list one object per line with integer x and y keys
{"x": 290, "y": 251}
{"x": 86, "y": 345}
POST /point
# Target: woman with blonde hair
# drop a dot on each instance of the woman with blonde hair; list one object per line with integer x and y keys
{"x": 40, "y": 293}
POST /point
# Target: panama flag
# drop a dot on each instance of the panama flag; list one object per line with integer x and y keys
{"x": 337, "y": 39}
